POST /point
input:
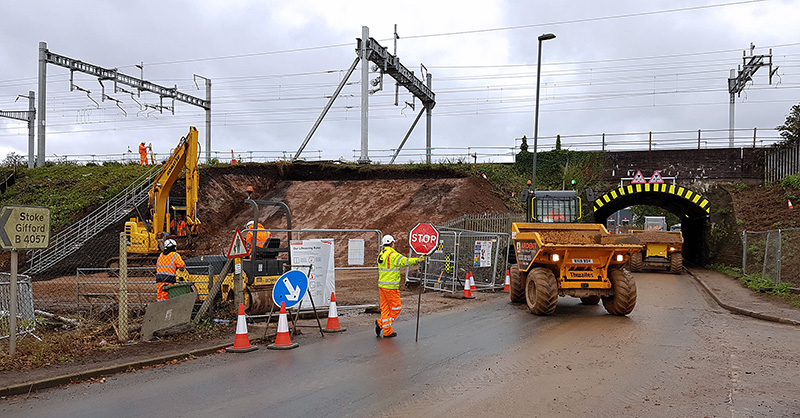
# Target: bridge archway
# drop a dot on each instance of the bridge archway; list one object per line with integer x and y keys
{"x": 690, "y": 206}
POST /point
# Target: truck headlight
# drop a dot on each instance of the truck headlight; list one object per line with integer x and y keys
{"x": 620, "y": 257}
{"x": 672, "y": 249}
{"x": 555, "y": 257}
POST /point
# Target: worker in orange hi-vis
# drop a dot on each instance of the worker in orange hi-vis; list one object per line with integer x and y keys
{"x": 142, "y": 154}
{"x": 389, "y": 264}
{"x": 169, "y": 261}
{"x": 261, "y": 236}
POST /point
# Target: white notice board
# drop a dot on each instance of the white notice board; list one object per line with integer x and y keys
{"x": 355, "y": 252}
{"x": 322, "y": 279}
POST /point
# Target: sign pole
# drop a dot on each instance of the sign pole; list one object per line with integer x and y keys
{"x": 419, "y": 301}
{"x": 12, "y": 320}
{"x": 238, "y": 286}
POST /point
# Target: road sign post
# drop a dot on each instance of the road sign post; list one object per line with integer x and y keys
{"x": 21, "y": 228}
{"x": 423, "y": 239}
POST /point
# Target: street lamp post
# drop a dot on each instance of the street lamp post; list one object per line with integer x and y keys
{"x": 543, "y": 37}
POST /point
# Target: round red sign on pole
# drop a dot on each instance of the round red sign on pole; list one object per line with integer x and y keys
{"x": 423, "y": 238}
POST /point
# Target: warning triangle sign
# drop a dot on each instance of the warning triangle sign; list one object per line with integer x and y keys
{"x": 238, "y": 249}
{"x": 638, "y": 178}
{"x": 656, "y": 178}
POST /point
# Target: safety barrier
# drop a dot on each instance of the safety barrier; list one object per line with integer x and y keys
{"x": 26, "y": 320}
{"x": 484, "y": 254}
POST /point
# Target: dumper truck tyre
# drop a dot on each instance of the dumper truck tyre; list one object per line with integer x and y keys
{"x": 676, "y": 263}
{"x": 590, "y": 300}
{"x": 541, "y": 292}
{"x": 518, "y": 281}
{"x": 624, "y": 299}
{"x": 636, "y": 262}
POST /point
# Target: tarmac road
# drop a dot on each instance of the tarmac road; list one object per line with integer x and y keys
{"x": 677, "y": 354}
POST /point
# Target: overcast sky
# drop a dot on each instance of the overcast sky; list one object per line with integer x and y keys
{"x": 615, "y": 67}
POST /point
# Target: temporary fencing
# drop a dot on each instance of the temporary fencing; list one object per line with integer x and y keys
{"x": 483, "y": 254}
{"x": 774, "y": 254}
{"x": 26, "y": 322}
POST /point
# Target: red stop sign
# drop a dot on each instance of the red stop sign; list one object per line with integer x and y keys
{"x": 424, "y": 238}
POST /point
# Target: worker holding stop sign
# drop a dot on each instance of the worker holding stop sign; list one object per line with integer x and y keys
{"x": 389, "y": 263}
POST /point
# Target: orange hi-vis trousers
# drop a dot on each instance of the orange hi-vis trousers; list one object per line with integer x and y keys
{"x": 162, "y": 294}
{"x": 390, "y": 308}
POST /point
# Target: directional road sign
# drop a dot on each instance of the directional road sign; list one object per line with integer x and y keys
{"x": 423, "y": 238}
{"x": 24, "y": 227}
{"x": 290, "y": 288}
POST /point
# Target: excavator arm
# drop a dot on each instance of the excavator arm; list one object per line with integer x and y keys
{"x": 185, "y": 155}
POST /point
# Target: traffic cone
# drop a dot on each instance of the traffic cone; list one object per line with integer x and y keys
{"x": 333, "y": 317}
{"x": 282, "y": 340}
{"x": 467, "y": 292}
{"x": 472, "y": 286}
{"x": 241, "y": 344}
{"x": 507, "y": 286}
{"x": 790, "y": 204}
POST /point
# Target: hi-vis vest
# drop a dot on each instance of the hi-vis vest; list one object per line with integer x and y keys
{"x": 261, "y": 236}
{"x": 389, "y": 264}
{"x": 167, "y": 267}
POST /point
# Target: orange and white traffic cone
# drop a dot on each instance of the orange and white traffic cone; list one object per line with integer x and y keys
{"x": 241, "y": 344}
{"x": 282, "y": 340}
{"x": 333, "y": 317}
{"x": 507, "y": 286}
{"x": 472, "y": 286}
{"x": 790, "y": 204}
{"x": 467, "y": 292}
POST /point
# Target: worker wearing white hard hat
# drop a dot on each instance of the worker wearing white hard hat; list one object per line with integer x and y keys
{"x": 389, "y": 263}
{"x": 169, "y": 261}
{"x": 261, "y": 235}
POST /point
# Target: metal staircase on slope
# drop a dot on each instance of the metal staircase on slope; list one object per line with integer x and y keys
{"x": 69, "y": 240}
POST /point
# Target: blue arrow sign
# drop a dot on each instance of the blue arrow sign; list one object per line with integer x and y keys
{"x": 290, "y": 288}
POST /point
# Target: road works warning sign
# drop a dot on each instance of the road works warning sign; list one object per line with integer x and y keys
{"x": 638, "y": 178}
{"x": 24, "y": 227}
{"x": 237, "y": 249}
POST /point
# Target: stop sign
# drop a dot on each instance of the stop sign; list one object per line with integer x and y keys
{"x": 423, "y": 238}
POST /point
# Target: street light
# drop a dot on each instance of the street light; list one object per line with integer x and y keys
{"x": 543, "y": 37}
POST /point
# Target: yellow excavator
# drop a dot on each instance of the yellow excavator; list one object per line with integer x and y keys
{"x": 167, "y": 216}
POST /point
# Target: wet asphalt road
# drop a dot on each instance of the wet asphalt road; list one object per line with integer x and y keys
{"x": 677, "y": 354}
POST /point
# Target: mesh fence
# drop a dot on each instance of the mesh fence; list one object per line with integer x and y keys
{"x": 773, "y": 254}
{"x": 25, "y": 313}
{"x": 460, "y": 252}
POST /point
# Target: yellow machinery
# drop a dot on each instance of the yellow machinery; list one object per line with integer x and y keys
{"x": 662, "y": 248}
{"x": 144, "y": 235}
{"x": 555, "y": 257}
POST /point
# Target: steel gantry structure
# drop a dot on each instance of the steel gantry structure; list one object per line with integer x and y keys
{"x": 112, "y": 74}
{"x": 25, "y": 116}
{"x": 368, "y": 49}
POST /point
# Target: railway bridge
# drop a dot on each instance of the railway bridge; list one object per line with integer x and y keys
{"x": 693, "y": 193}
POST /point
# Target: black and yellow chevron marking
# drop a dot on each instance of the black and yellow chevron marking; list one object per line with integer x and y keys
{"x": 683, "y": 192}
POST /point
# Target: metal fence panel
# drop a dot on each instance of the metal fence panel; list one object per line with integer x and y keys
{"x": 25, "y": 315}
{"x": 775, "y": 254}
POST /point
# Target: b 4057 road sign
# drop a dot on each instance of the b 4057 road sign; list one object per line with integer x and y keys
{"x": 24, "y": 227}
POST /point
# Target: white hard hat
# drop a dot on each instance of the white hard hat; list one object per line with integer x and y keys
{"x": 170, "y": 243}
{"x": 387, "y": 240}
{"x": 250, "y": 223}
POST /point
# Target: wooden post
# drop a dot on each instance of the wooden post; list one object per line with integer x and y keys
{"x": 122, "y": 331}
{"x": 603, "y": 146}
{"x": 650, "y": 146}
{"x": 698, "y": 139}
{"x": 754, "y": 136}
{"x": 238, "y": 285}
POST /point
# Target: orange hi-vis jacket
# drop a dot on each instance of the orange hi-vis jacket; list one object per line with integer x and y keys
{"x": 389, "y": 264}
{"x": 261, "y": 236}
{"x": 167, "y": 267}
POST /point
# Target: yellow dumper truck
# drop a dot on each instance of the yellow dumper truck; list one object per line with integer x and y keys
{"x": 662, "y": 248}
{"x": 557, "y": 257}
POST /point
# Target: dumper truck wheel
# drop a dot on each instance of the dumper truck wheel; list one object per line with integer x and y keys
{"x": 676, "y": 263}
{"x": 541, "y": 291}
{"x": 636, "y": 262}
{"x": 518, "y": 281}
{"x": 624, "y": 299}
{"x": 590, "y": 300}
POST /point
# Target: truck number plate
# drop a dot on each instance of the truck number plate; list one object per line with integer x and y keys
{"x": 582, "y": 261}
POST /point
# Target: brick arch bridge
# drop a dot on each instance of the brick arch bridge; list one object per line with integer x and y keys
{"x": 696, "y": 199}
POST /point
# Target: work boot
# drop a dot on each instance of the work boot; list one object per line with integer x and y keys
{"x": 392, "y": 335}
{"x": 377, "y": 329}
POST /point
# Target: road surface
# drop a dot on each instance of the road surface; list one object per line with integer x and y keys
{"x": 677, "y": 354}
